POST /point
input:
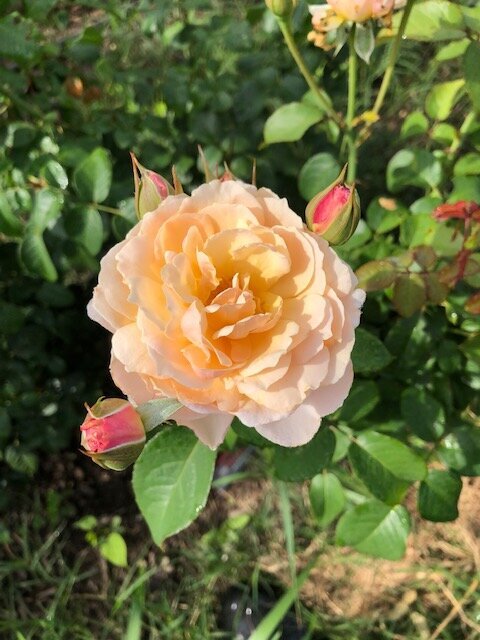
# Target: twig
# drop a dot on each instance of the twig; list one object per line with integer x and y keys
{"x": 457, "y": 609}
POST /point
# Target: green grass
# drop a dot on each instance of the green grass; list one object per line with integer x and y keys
{"x": 54, "y": 586}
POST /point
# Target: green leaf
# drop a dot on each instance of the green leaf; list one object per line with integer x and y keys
{"x": 418, "y": 229}
{"x": 5, "y": 427}
{"x": 327, "y": 498}
{"x": 47, "y": 205}
{"x": 471, "y": 63}
{"x": 385, "y": 214}
{"x": 467, "y": 165}
{"x": 87, "y": 523}
{"x": 369, "y": 353}
{"x": 360, "y": 237}
{"x": 452, "y": 50}
{"x": 55, "y": 174}
{"x": 415, "y": 124}
{"x": 438, "y": 496}
{"x": 471, "y": 348}
{"x": 12, "y": 318}
{"x": 38, "y": 9}
{"x": 465, "y": 188}
{"x": 444, "y": 134}
{"x": 413, "y": 167}
{"x": 114, "y": 549}
{"x": 424, "y": 256}
{"x": 460, "y": 450}
{"x": 55, "y": 295}
{"x": 155, "y": 412}
{"x": 10, "y": 224}
{"x": 171, "y": 480}
{"x": 375, "y": 529}
{"x": 342, "y": 444}
{"x": 294, "y": 464}
{"x": 385, "y": 465}
{"x": 93, "y": 176}
{"x": 409, "y": 294}
{"x": 290, "y": 122}
{"x": 442, "y": 98}
{"x": 426, "y": 204}
{"x": 423, "y": 414}
{"x": 20, "y": 134}
{"x": 376, "y": 275}
{"x": 84, "y": 224}
{"x": 433, "y": 21}
{"x": 15, "y": 40}
{"x": 317, "y": 174}
{"x": 19, "y": 460}
{"x": 364, "y": 42}
{"x": 363, "y": 398}
{"x": 448, "y": 356}
{"x": 35, "y": 257}
{"x": 248, "y": 434}
{"x": 436, "y": 290}
{"x": 471, "y": 17}
{"x": 126, "y": 220}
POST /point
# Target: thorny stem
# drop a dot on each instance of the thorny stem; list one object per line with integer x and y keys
{"x": 321, "y": 96}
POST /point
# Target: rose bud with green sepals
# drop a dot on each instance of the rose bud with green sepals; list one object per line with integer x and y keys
{"x": 150, "y": 188}
{"x": 334, "y": 213}
{"x": 113, "y": 434}
{"x": 281, "y": 8}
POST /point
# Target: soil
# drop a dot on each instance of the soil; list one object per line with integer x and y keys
{"x": 344, "y": 584}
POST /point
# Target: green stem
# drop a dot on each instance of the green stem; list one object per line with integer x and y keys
{"x": 102, "y": 207}
{"x": 322, "y": 98}
{"x": 392, "y": 59}
{"x": 351, "y": 104}
{"x": 469, "y": 120}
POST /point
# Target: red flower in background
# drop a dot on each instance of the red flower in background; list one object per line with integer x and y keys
{"x": 463, "y": 210}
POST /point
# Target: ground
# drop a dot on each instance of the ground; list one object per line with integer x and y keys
{"x": 49, "y": 569}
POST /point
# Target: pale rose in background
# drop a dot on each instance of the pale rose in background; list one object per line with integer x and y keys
{"x": 113, "y": 434}
{"x": 225, "y": 301}
{"x": 326, "y": 18}
{"x": 361, "y": 10}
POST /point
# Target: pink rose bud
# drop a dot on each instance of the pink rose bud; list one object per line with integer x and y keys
{"x": 113, "y": 434}
{"x": 150, "y": 188}
{"x": 334, "y": 213}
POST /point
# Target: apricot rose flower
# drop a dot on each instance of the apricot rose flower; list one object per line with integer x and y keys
{"x": 225, "y": 301}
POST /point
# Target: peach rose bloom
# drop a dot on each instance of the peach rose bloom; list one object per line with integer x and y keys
{"x": 361, "y": 10}
{"x": 225, "y": 301}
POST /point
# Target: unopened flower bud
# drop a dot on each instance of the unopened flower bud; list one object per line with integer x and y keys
{"x": 150, "y": 188}
{"x": 281, "y": 8}
{"x": 334, "y": 213}
{"x": 113, "y": 434}
{"x": 74, "y": 86}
